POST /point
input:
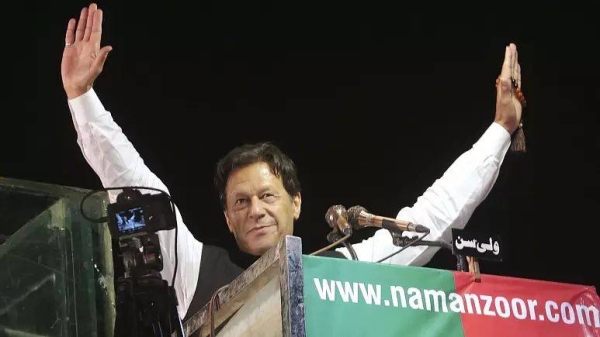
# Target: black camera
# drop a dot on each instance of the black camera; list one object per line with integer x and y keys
{"x": 133, "y": 221}
{"x": 145, "y": 303}
{"x": 136, "y": 214}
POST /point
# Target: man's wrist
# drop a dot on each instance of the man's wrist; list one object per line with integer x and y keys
{"x": 73, "y": 93}
{"x": 510, "y": 127}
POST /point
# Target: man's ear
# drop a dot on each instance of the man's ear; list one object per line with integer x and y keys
{"x": 227, "y": 221}
{"x": 297, "y": 201}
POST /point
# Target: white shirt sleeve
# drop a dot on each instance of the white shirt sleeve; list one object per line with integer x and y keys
{"x": 448, "y": 203}
{"x": 117, "y": 163}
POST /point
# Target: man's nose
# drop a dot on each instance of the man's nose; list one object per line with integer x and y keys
{"x": 257, "y": 208}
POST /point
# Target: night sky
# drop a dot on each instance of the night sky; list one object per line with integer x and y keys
{"x": 372, "y": 101}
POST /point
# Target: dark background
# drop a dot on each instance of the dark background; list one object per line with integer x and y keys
{"x": 373, "y": 101}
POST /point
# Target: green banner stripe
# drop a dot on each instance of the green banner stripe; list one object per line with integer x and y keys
{"x": 351, "y": 298}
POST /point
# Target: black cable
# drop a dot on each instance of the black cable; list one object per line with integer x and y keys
{"x": 350, "y": 248}
{"x": 176, "y": 259}
{"x": 335, "y": 237}
{"x": 412, "y": 242}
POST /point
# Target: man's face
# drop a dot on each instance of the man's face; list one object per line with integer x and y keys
{"x": 259, "y": 210}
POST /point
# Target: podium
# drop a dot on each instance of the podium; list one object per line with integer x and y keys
{"x": 267, "y": 299}
{"x": 286, "y": 293}
{"x": 55, "y": 266}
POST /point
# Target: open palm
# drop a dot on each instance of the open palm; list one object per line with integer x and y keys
{"x": 83, "y": 59}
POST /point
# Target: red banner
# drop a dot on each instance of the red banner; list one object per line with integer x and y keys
{"x": 507, "y": 307}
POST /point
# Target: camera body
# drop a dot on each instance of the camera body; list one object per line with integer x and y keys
{"x": 136, "y": 214}
{"x": 133, "y": 221}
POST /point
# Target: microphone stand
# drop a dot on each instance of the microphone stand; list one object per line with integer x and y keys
{"x": 334, "y": 236}
{"x": 401, "y": 241}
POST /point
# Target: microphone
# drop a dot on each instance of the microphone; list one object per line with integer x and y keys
{"x": 359, "y": 218}
{"x": 337, "y": 218}
{"x": 402, "y": 241}
{"x": 406, "y": 240}
{"x": 334, "y": 236}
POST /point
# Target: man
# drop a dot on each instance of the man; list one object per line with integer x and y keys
{"x": 258, "y": 185}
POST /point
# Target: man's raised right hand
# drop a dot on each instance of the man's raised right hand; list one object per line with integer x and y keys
{"x": 83, "y": 59}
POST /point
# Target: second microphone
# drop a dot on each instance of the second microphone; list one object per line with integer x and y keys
{"x": 359, "y": 217}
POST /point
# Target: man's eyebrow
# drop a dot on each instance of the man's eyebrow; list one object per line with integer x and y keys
{"x": 265, "y": 188}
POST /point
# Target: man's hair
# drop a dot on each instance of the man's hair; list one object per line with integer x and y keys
{"x": 279, "y": 163}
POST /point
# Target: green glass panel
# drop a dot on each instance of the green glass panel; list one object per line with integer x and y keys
{"x": 55, "y": 265}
